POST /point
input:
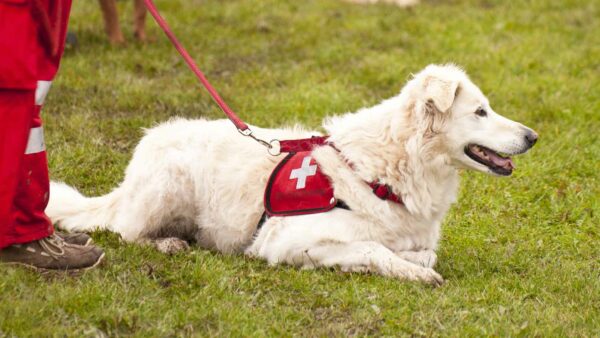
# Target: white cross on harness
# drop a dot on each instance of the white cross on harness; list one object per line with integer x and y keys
{"x": 303, "y": 172}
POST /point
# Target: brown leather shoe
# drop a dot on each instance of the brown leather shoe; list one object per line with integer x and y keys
{"x": 77, "y": 238}
{"x": 52, "y": 253}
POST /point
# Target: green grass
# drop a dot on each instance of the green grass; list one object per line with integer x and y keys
{"x": 521, "y": 255}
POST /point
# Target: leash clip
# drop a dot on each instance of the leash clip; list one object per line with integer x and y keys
{"x": 273, "y": 147}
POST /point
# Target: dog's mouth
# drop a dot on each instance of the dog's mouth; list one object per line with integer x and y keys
{"x": 498, "y": 163}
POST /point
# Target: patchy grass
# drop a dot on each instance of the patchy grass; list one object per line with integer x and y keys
{"x": 521, "y": 255}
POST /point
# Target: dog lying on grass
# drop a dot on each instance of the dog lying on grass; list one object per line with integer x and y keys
{"x": 199, "y": 179}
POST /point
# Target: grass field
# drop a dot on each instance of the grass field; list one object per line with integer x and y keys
{"x": 521, "y": 255}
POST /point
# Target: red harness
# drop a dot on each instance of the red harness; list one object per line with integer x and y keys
{"x": 298, "y": 187}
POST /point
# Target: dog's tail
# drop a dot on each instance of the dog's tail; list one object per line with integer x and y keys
{"x": 72, "y": 211}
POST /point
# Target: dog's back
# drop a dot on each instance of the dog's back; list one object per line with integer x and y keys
{"x": 185, "y": 176}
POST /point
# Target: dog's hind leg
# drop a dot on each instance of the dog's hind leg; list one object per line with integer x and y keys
{"x": 155, "y": 202}
{"x": 149, "y": 215}
{"x": 168, "y": 245}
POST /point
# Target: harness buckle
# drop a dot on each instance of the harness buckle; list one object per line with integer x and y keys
{"x": 381, "y": 190}
{"x": 274, "y": 147}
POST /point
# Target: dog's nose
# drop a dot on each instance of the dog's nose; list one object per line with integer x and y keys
{"x": 531, "y": 137}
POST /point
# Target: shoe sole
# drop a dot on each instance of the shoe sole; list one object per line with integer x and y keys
{"x": 46, "y": 270}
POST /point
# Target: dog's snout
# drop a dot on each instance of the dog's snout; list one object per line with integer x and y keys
{"x": 531, "y": 137}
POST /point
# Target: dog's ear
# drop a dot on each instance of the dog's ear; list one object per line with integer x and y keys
{"x": 441, "y": 92}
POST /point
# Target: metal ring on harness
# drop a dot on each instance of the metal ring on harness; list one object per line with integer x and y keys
{"x": 273, "y": 147}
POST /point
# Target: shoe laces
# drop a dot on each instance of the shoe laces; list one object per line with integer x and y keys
{"x": 53, "y": 246}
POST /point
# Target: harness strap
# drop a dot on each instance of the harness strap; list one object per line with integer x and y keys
{"x": 263, "y": 219}
{"x": 305, "y": 144}
{"x": 384, "y": 192}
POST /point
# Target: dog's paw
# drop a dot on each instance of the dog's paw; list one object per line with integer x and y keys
{"x": 424, "y": 258}
{"x": 431, "y": 277}
{"x": 171, "y": 245}
{"x": 418, "y": 274}
{"x": 423, "y": 275}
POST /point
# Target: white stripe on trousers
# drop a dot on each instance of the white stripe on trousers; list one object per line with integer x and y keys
{"x": 35, "y": 143}
{"x": 41, "y": 91}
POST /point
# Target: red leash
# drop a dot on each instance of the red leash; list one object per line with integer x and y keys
{"x": 275, "y": 147}
{"x": 239, "y": 124}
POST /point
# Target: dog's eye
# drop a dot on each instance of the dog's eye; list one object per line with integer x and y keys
{"x": 481, "y": 112}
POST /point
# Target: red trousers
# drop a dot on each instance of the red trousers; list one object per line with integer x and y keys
{"x": 32, "y": 34}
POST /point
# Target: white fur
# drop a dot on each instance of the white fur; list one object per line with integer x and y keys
{"x": 202, "y": 179}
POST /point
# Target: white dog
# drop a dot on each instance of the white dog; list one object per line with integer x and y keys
{"x": 200, "y": 179}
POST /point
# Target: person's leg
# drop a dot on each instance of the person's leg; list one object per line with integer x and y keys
{"x": 111, "y": 21}
{"x": 27, "y": 220}
{"x": 16, "y": 112}
{"x": 48, "y": 61}
{"x": 25, "y": 230}
{"x": 24, "y": 188}
{"x": 18, "y": 72}
{"x": 32, "y": 192}
{"x": 139, "y": 20}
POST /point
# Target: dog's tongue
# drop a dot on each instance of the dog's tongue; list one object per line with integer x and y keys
{"x": 504, "y": 162}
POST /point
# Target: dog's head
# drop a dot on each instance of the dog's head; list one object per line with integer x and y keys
{"x": 453, "y": 111}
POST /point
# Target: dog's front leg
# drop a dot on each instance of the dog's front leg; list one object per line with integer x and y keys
{"x": 368, "y": 256}
{"x": 424, "y": 258}
{"x": 324, "y": 240}
{"x": 358, "y": 256}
